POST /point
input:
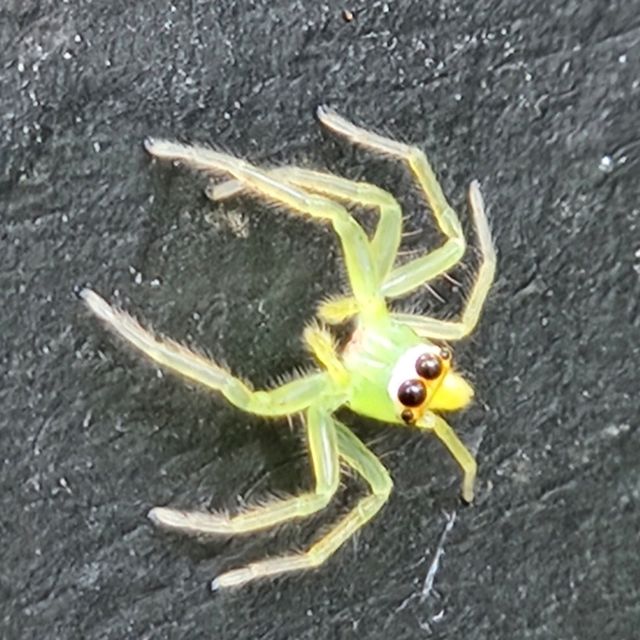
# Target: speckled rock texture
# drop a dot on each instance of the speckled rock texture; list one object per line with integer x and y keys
{"x": 538, "y": 101}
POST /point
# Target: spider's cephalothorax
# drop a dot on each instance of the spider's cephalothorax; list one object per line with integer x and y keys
{"x": 394, "y": 368}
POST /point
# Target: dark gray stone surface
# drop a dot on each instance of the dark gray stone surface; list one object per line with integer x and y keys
{"x": 539, "y": 101}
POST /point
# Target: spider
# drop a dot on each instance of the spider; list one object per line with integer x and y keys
{"x": 395, "y": 367}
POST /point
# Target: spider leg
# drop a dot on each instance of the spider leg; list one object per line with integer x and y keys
{"x": 462, "y": 455}
{"x": 454, "y": 330}
{"x": 385, "y": 241}
{"x": 386, "y": 238}
{"x": 357, "y": 456}
{"x": 355, "y": 244}
{"x": 407, "y": 277}
{"x": 290, "y": 398}
{"x": 323, "y": 450}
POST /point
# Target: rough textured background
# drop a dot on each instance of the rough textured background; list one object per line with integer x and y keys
{"x": 539, "y": 101}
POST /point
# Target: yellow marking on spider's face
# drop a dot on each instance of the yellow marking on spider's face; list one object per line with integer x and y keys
{"x": 390, "y": 369}
{"x": 453, "y": 393}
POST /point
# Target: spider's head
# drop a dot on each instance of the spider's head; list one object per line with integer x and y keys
{"x": 423, "y": 379}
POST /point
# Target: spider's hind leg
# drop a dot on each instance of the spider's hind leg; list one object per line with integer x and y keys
{"x": 323, "y": 450}
{"x": 358, "y": 258}
{"x": 357, "y": 456}
{"x": 386, "y": 238}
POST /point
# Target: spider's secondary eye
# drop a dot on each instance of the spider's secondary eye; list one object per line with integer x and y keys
{"x": 407, "y": 416}
{"x": 429, "y": 366}
{"x": 412, "y": 393}
{"x": 445, "y": 353}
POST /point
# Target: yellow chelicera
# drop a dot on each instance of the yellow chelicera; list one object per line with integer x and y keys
{"x": 390, "y": 370}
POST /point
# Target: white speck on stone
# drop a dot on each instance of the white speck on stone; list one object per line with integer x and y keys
{"x": 614, "y": 430}
{"x": 96, "y": 146}
{"x": 606, "y": 164}
{"x": 623, "y": 58}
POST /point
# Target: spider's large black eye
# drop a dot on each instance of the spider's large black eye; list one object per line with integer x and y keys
{"x": 412, "y": 393}
{"x": 429, "y": 366}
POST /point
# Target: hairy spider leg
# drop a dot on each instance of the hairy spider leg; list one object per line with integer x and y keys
{"x": 386, "y": 238}
{"x": 323, "y": 450}
{"x": 290, "y": 398}
{"x": 407, "y": 277}
{"x": 439, "y": 426}
{"x": 355, "y": 244}
{"x": 454, "y": 330}
{"x": 357, "y": 456}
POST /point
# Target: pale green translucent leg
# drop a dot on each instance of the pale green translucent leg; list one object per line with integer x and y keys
{"x": 437, "y": 424}
{"x": 454, "y": 330}
{"x": 355, "y": 244}
{"x": 356, "y": 455}
{"x": 290, "y": 398}
{"x": 386, "y": 239}
{"x": 323, "y": 450}
{"x": 408, "y": 277}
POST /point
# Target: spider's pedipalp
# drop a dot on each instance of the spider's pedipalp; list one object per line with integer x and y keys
{"x": 323, "y": 346}
{"x": 335, "y": 310}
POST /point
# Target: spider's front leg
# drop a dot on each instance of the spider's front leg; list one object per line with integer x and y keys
{"x": 439, "y": 426}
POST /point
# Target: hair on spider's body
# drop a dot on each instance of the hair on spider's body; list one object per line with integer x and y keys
{"x": 393, "y": 367}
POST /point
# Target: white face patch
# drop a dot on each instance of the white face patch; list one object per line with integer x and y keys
{"x": 405, "y": 369}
